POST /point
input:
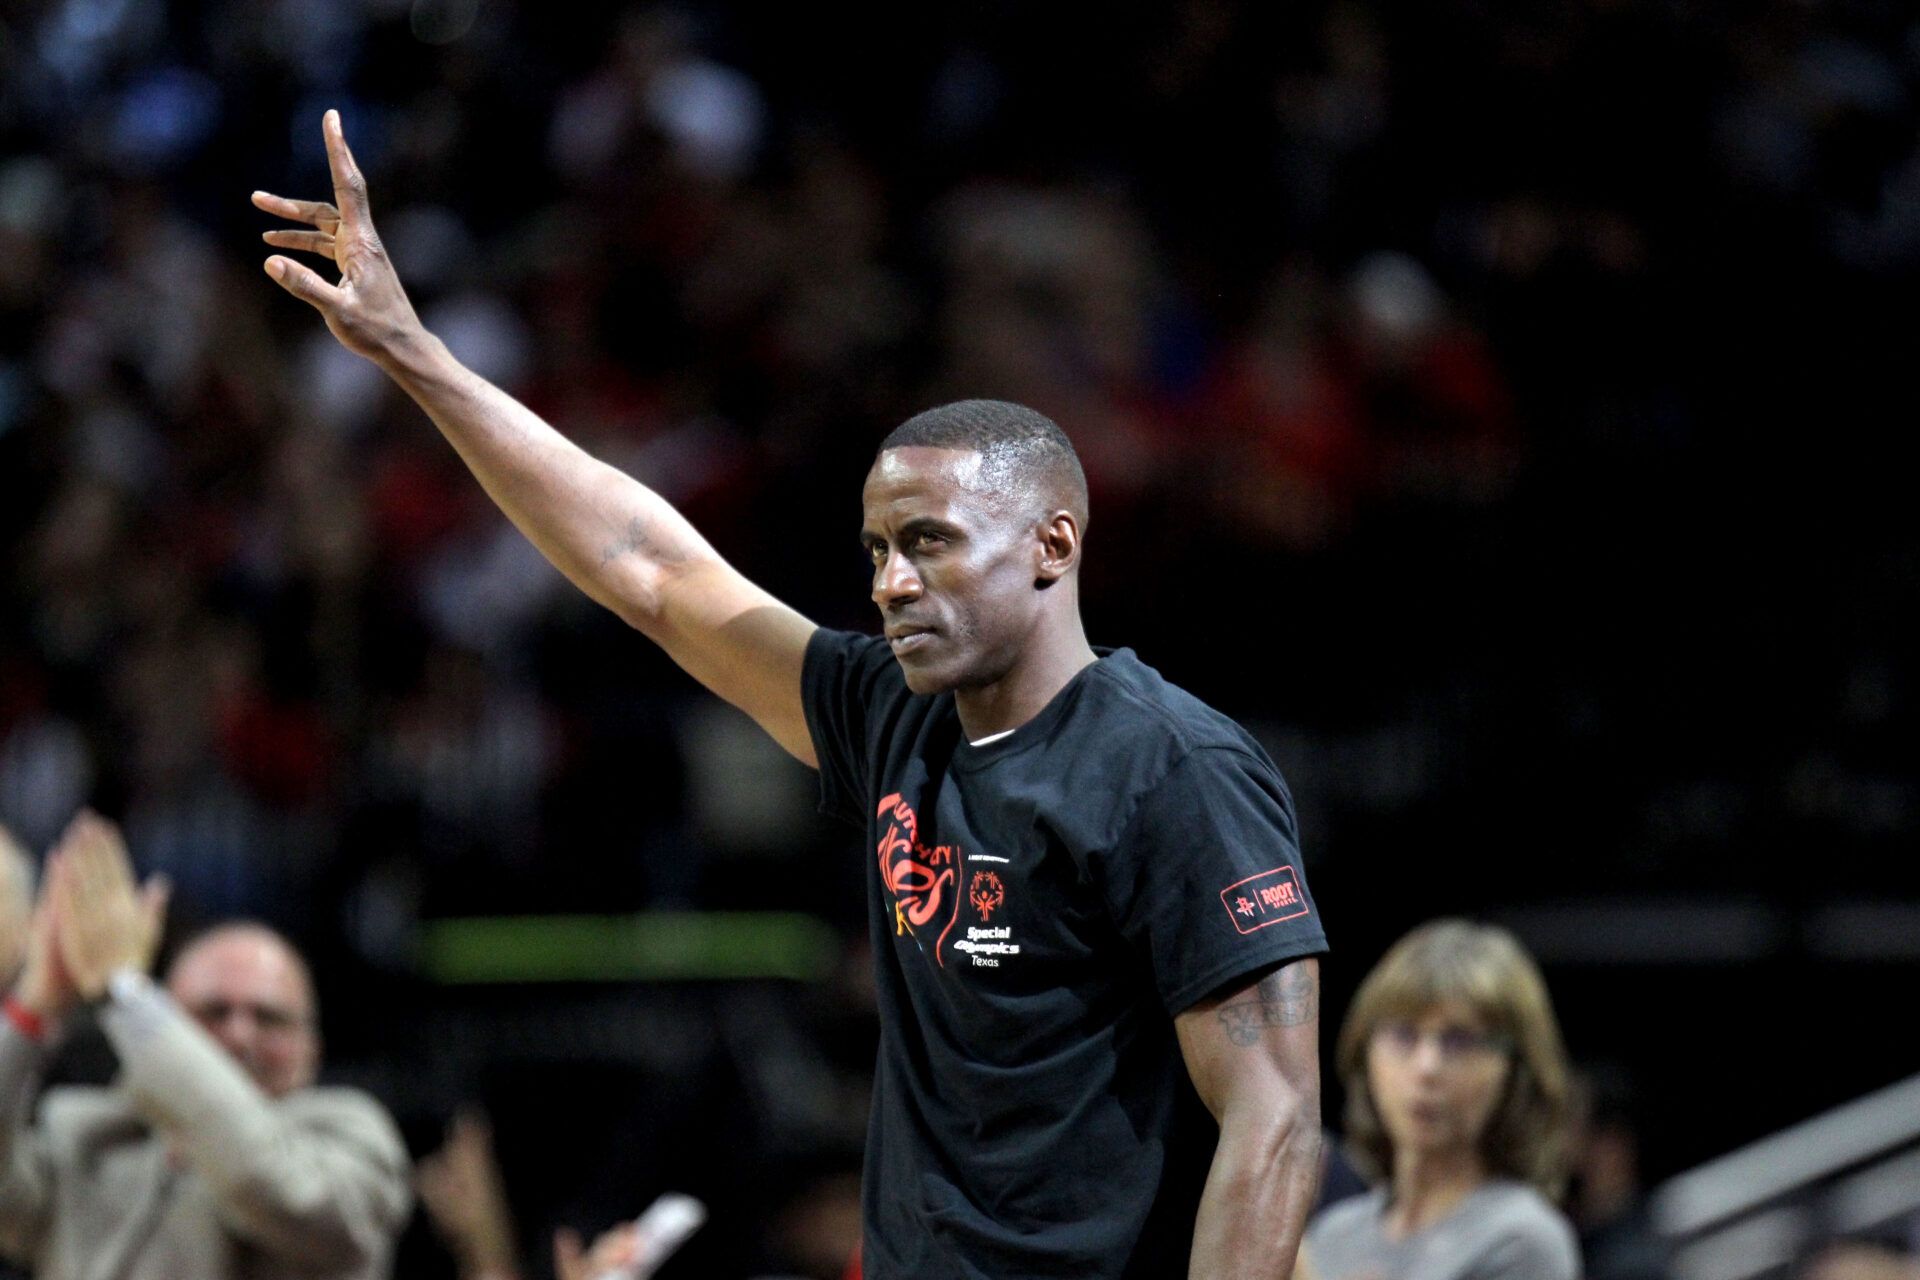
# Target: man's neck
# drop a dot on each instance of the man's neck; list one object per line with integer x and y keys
{"x": 1019, "y": 696}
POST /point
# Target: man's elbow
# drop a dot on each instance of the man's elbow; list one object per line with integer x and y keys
{"x": 1279, "y": 1125}
{"x": 334, "y": 1228}
{"x": 1297, "y": 1136}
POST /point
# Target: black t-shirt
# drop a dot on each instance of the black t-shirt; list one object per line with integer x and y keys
{"x": 1041, "y": 907}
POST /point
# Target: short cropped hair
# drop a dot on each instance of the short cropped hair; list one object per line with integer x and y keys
{"x": 1018, "y": 446}
{"x": 1484, "y": 968}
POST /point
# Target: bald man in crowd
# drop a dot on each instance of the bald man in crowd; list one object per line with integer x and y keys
{"x": 213, "y": 1154}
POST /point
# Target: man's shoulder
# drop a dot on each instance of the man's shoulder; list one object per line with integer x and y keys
{"x": 852, "y": 663}
{"x": 1136, "y": 705}
{"x": 328, "y": 1099}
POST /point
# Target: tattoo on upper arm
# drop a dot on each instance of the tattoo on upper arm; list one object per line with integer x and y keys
{"x": 665, "y": 542}
{"x": 1286, "y": 998}
{"x": 636, "y": 538}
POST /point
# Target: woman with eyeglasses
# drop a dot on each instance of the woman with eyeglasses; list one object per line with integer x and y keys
{"x": 1457, "y": 1103}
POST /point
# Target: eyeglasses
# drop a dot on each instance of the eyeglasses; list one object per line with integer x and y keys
{"x": 1456, "y": 1044}
{"x": 271, "y": 1019}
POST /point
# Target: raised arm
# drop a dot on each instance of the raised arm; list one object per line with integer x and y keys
{"x": 617, "y": 540}
{"x": 1255, "y": 1061}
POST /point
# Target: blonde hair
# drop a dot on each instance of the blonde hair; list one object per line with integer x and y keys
{"x": 1486, "y": 969}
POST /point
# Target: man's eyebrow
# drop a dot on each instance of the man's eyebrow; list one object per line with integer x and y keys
{"x": 928, "y": 524}
{"x": 918, "y": 524}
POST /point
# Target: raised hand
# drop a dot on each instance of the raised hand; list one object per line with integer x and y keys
{"x": 44, "y": 987}
{"x": 613, "y": 1254}
{"x": 367, "y": 310}
{"x": 461, "y": 1187}
{"x": 16, "y": 903}
{"x": 101, "y": 921}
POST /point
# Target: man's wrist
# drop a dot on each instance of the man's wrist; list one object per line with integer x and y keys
{"x": 410, "y": 354}
{"x": 37, "y": 1001}
{"x": 127, "y": 982}
{"x": 35, "y": 1024}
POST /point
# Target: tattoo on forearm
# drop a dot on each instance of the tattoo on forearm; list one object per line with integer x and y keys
{"x": 1284, "y": 999}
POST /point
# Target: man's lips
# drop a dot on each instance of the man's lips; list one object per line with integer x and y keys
{"x": 906, "y": 638}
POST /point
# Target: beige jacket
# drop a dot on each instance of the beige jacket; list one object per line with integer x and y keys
{"x": 185, "y": 1170}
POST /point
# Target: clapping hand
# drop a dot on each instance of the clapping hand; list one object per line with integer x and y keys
{"x": 101, "y": 921}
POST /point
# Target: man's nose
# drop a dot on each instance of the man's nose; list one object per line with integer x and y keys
{"x": 237, "y": 1027}
{"x": 895, "y": 580}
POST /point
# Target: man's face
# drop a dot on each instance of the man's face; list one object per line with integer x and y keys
{"x": 953, "y": 568}
{"x": 251, "y": 994}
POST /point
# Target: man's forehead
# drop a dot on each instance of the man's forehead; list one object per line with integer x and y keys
{"x": 241, "y": 961}
{"x": 925, "y": 467}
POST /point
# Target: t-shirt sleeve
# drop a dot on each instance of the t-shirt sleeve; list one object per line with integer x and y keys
{"x": 1206, "y": 878}
{"x": 838, "y": 684}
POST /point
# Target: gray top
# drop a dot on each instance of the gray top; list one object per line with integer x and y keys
{"x": 1502, "y": 1231}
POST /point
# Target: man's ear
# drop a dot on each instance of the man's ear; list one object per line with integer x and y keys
{"x": 1056, "y": 549}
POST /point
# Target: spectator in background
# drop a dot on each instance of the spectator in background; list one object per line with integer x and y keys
{"x": 1457, "y": 1099}
{"x": 212, "y": 1155}
{"x": 16, "y": 909}
{"x": 16, "y": 903}
{"x": 465, "y": 1197}
{"x": 1606, "y": 1201}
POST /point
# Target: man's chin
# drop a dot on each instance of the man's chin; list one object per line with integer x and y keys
{"x": 925, "y": 680}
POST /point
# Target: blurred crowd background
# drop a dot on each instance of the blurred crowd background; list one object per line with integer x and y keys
{"x": 1493, "y": 405}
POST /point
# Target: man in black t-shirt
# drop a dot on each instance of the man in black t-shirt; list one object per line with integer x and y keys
{"x": 1094, "y": 946}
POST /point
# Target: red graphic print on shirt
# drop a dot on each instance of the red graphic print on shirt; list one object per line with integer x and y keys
{"x": 918, "y": 877}
{"x": 986, "y": 893}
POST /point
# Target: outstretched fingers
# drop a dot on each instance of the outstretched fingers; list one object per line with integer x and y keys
{"x": 349, "y": 187}
{"x": 317, "y": 212}
{"x": 306, "y": 241}
{"x": 303, "y": 283}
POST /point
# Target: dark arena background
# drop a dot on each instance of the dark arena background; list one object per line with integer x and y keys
{"x": 1492, "y": 405}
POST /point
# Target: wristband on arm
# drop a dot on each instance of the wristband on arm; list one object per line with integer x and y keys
{"x": 24, "y": 1020}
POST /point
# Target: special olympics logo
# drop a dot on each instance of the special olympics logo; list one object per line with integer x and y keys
{"x": 986, "y": 893}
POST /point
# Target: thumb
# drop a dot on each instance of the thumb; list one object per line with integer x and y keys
{"x": 303, "y": 282}
{"x": 154, "y": 895}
